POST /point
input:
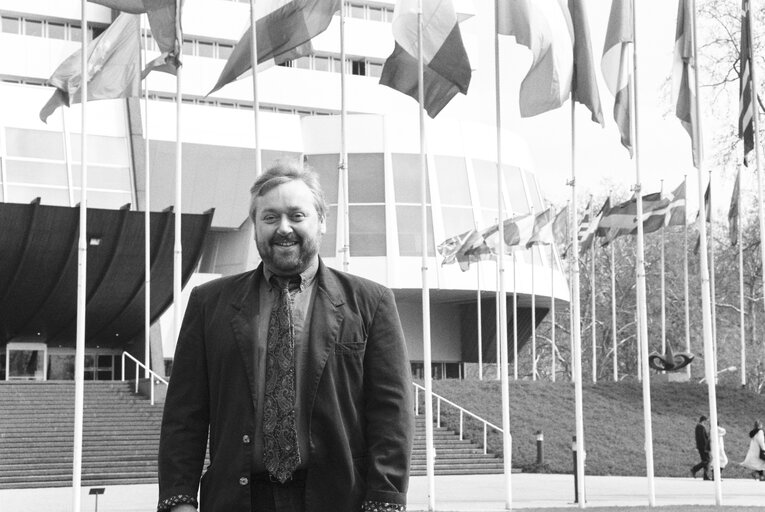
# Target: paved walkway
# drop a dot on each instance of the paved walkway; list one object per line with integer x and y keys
{"x": 479, "y": 493}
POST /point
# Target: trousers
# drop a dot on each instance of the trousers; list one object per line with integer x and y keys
{"x": 270, "y": 496}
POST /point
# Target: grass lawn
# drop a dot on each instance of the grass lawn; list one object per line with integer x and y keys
{"x": 613, "y": 424}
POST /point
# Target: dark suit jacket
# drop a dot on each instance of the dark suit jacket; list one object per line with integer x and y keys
{"x": 702, "y": 438}
{"x": 361, "y": 418}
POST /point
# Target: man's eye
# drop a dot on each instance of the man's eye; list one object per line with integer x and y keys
{"x": 298, "y": 216}
{"x": 269, "y": 218}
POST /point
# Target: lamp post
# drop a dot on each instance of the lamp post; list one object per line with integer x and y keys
{"x": 728, "y": 369}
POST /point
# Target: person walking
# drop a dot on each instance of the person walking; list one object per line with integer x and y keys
{"x": 702, "y": 445}
{"x": 755, "y": 457}
{"x": 721, "y": 449}
{"x": 299, "y": 373}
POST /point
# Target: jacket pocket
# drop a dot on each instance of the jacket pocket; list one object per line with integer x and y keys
{"x": 355, "y": 347}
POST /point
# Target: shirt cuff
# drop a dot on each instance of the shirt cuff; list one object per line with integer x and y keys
{"x": 181, "y": 499}
{"x": 381, "y": 506}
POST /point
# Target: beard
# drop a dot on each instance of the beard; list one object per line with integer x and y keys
{"x": 290, "y": 260}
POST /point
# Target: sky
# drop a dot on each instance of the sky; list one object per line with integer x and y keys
{"x": 603, "y": 164}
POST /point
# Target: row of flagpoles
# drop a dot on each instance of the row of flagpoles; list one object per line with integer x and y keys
{"x": 429, "y": 63}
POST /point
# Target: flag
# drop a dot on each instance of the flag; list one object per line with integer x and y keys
{"x": 449, "y": 247}
{"x": 467, "y": 248}
{"x": 587, "y": 236}
{"x": 616, "y": 68}
{"x": 283, "y": 33}
{"x": 542, "y": 229}
{"x": 560, "y": 231}
{"x": 676, "y": 208}
{"x": 518, "y": 230}
{"x": 733, "y": 210}
{"x": 622, "y": 219}
{"x": 684, "y": 78}
{"x": 545, "y": 28}
{"x": 113, "y": 68}
{"x": 165, "y": 29}
{"x": 446, "y": 69}
{"x": 707, "y": 215}
{"x": 745, "y": 104}
{"x": 584, "y": 84}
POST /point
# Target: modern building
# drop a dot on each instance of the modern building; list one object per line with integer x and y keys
{"x": 299, "y": 117}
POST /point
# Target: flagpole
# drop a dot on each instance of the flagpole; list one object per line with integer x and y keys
{"x": 663, "y": 288}
{"x": 613, "y": 313}
{"x": 712, "y": 274}
{"x": 343, "y": 167}
{"x": 147, "y": 216}
{"x": 592, "y": 305}
{"x": 82, "y": 265}
{"x": 741, "y": 282}
{"x": 576, "y": 324}
{"x": 533, "y": 318}
{"x": 496, "y": 318}
{"x": 515, "y": 317}
{"x": 67, "y": 160}
{"x": 255, "y": 98}
{"x": 507, "y": 452}
{"x": 478, "y": 322}
{"x": 552, "y": 297}
{"x": 706, "y": 314}
{"x": 641, "y": 288}
{"x": 426, "y": 355}
{"x": 685, "y": 278}
{"x": 178, "y": 249}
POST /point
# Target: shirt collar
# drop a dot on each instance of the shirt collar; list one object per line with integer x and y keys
{"x": 306, "y": 277}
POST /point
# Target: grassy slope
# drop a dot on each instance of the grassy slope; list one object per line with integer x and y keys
{"x": 613, "y": 423}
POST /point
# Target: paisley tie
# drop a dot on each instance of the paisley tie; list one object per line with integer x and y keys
{"x": 280, "y": 453}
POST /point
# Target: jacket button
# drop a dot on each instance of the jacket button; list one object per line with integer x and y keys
{"x": 244, "y": 480}
{"x": 246, "y": 439}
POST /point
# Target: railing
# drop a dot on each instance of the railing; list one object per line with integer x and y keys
{"x": 462, "y": 410}
{"x": 155, "y": 379}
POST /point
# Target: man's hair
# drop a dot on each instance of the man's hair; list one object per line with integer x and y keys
{"x": 284, "y": 171}
{"x": 702, "y": 418}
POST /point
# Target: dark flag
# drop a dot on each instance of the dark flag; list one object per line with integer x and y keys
{"x": 733, "y": 210}
{"x": 745, "y": 104}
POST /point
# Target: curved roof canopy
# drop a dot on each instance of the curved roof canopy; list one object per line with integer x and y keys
{"x": 38, "y": 271}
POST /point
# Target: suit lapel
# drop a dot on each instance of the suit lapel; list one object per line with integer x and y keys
{"x": 245, "y": 308}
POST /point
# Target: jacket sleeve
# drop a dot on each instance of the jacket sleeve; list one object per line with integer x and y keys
{"x": 388, "y": 406}
{"x": 185, "y": 420}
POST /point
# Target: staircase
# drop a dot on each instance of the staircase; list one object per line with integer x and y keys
{"x": 121, "y": 437}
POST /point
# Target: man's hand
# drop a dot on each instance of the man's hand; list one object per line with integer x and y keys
{"x": 183, "y": 508}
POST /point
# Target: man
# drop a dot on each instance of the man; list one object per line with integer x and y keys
{"x": 702, "y": 445}
{"x": 299, "y": 371}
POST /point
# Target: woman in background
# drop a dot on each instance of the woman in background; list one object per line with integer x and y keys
{"x": 756, "y": 454}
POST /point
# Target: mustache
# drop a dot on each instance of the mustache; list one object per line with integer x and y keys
{"x": 278, "y": 239}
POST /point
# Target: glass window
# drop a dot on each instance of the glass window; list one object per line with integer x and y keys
{"x": 51, "y": 196}
{"x": 534, "y": 192}
{"x": 457, "y": 220}
{"x": 518, "y": 202}
{"x": 452, "y": 180}
{"x": 367, "y": 230}
{"x": 33, "y": 28}
{"x": 366, "y": 178}
{"x": 336, "y": 65}
{"x": 11, "y": 25}
{"x": 56, "y": 30}
{"x": 376, "y": 13}
{"x": 410, "y": 231}
{"x": 322, "y": 63}
{"x": 110, "y": 178}
{"x": 357, "y": 11}
{"x": 486, "y": 182}
{"x": 302, "y": 63}
{"x": 374, "y": 69}
{"x": 224, "y": 50}
{"x": 75, "y": 33}
{"x": 205, "y": 49}
{"x": 101, "y": 149}
{"x": 329, "y": 240}
{"x": 36, "y": 173}
{"x": 34, "y": 143}
{"x": 358, "y": 67}
{"x": 326, "y": 167}
{"x": 188, "y": 47}
{"x": 406, "y": 178}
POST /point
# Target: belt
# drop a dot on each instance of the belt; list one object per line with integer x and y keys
{"x": 297, "y": 476}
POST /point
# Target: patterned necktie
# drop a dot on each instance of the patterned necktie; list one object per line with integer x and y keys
{"x": 280, "y": 452}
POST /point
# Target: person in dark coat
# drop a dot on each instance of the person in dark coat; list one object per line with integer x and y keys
{"x": 703, "y": 447}
{"x": 298, "y": 372}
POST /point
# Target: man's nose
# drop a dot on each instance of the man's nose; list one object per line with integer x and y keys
{"x": 285, "y": 226}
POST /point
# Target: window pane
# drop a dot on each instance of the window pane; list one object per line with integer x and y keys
{"x": 34, "y": 143}
{"x": 410, "y": 231}
{"x": 328, "y": 247}
{"x": 36, "y": 173}
{"x": 367, "y": 230}
{"x": 518, "y": 202}
{"x": 357, "y": 11}
{"x": 75, "y": 33}
{"x": 457, "y": 220}
{"x": 322, "y": 63}
{"x": 376, "y": 14}
{"x": 366, "y": 178}
{"x": 358, "y": 68}
{"x": 51, "y": 196}
{"x": 224, "y": 50}
{"x": 56, "y": 30}
{"x": 302, "y": 63}
{"x": 113, "y": 178}
{"x": 11, "y": 25}
{"x": 453, "y": 180}
{"x": 101, "y": 149}
{"x": 33, "y": 28}
{"x": 374, "y": 69}
{"x": 406, "y": 178}
{"x": 326, "y": 167}
{"x": 205, "y": 49}
{"x": 486, "y": 181}
{"x": 188, "y": 47}
{"x": 534, "y": 192}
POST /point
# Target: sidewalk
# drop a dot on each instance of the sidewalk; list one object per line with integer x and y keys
{"x": 475, "y": 493}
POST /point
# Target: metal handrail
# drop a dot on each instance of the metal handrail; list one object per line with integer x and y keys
{"x": 462, "y": 411}
{"x": 154, "y": 377}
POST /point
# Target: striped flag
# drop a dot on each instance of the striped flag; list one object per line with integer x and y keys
{"x": 622, "y": 219}
{"x": 446, "y": 66}
{"x": 560, "y": 231}
{"x": 466, "y": 248}
{"x": 113, "y": 63}
{"x": 684, "y": 78}
{"x": 676, "y": 209}
{"x": 545, "y": 28}
{"x": 707, "y": 215}
{"x": 616, "y": 66}
{"x": 733, "y": 215}
{"x": 584, "y": 83}
{"x": 590, "y": 231}
{"x": 542, "y": 230}
{"x": 518, "y": 230}
{"x": 165, "y": 29}
{"x": 283, "y": 33}
{"x": 745, "y": 104}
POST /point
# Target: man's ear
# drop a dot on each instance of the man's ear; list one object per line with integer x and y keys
{"x": 323, "y": 226}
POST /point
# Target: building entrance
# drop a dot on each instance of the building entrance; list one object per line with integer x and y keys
{"x": 26, "y": 361}
{"x": 35, "y": 361}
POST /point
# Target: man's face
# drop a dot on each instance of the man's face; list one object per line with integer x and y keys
{"x": 287, "y": 228}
